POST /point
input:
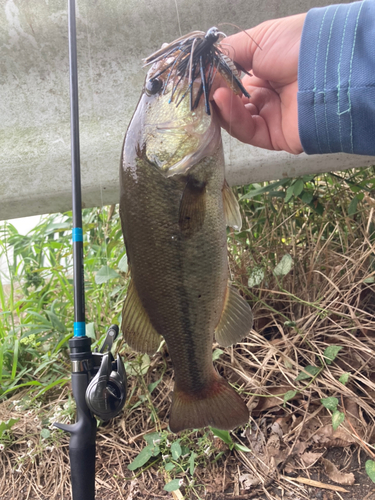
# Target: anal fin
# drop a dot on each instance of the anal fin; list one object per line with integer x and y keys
{"x": 231, "y": 208}
{"x": 136, "y": 325}
{"x": 236, "y": 319}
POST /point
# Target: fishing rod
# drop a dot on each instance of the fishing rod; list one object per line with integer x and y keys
{"x": 98, "y": 381}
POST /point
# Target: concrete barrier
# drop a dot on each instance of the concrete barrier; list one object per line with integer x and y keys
{"x": 112, "y": 36}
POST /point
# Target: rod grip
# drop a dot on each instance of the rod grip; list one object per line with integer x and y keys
{"x": 82, "y": 443}
{"x": 82, "y": 471}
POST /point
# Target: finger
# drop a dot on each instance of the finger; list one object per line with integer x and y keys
{"x": 252, "y": 109}
{"x": 254, "y": 81}
{"x": 241, "y": 47}
{"x": 280, "y": 112}
{"x": 239, "y": 121}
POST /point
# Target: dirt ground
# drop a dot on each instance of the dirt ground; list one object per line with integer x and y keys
{"x": 363, "y": 488}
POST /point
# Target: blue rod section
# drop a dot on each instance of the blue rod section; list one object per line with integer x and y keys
{"x": 79, "y": 329}
{"x": 77, "y": 234}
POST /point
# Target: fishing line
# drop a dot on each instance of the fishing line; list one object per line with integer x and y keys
{"x": 241, "y": 30}
{"x": 178, "y": 18}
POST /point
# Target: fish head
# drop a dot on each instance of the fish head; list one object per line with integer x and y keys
{"x": 173, "y": 137}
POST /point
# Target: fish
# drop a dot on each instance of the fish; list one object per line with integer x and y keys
{"x": 175, "y": 205}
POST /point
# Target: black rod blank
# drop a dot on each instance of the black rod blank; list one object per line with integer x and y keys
{"x": 78, "y": 271}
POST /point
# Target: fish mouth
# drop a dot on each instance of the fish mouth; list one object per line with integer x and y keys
{"x": 176, "y": 137}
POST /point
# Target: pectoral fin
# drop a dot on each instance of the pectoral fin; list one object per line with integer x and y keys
{"x": 136, "y": 325}
{"x": 231, "y": 208}
{"x": 192, "y": 207}
{"x": 236, "y": 319}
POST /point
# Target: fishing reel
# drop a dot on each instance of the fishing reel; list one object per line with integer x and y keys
{"x": 106, "y": 393}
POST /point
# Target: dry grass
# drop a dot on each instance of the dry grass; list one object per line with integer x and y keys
{"x": 327, "y": 299}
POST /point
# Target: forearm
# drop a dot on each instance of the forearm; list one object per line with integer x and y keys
{"x": 336, "y": 80}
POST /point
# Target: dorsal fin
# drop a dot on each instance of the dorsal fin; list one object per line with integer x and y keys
{"x": 136, "y": 325}
{"x": 236, "y": 319}
{"x": 231, "y": 208}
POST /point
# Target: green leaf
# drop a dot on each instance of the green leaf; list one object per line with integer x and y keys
{"x": 312, "y": 370}
{"x": 191, "y": 462}
{"x": 289, "y": 193}
{"x": 142, "y": 458}
{"x": 145, "y": 364}
{"x": 176, "y": 450}
{"x": 330, "y": 403}
{"x": 216, "y": 354}
{"x": 298, "y": 187}
{"x": 307, "y": 197}
{"x": 256, "y": 277}
{"x": 276, "y": 194}
{"x": 331, "y": 352}
{"x": 241, "y": 447}
{"x": 344, "y": 378}
{"x": 18, "y": 386}
{"x": 308, "y": 178}
{"x": 152, "y": 386}
{"x": 152, "y": 438}
{"x": 105, "y": 274}
{"x": 185, "y": 451}
{"x": 56, "y": 323}
{"x": 6, "y": 426}
{"x": 289, "y": 395}
{"x": 123, "y": 264}
{"x": 223, "y": 435}
{"x": 337, "y": 418}
{"x": 352, "y": 208}
{"x": 264, "y": 189}
{"x": 371, "y": 279}
{"x": 155, "y": 451}
{"x": 90, "y": 330}
{"x": 173, "y": 485}
{"x": 169, "y": 466}
{"x": 45, "y": 433}
{"x": 284, "y": 266}
{"x": 370, "y": 469}
{"x": 290, "y": 323}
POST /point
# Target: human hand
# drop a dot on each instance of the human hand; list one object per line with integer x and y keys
{"x": 269, "y": 118}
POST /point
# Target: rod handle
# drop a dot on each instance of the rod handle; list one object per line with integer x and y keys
{"x": 82, "y": 443}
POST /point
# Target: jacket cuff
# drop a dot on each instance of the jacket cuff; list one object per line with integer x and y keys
{"x": 336, "y": 80}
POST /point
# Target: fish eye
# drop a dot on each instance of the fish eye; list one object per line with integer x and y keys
{"x": 153, "y": 86}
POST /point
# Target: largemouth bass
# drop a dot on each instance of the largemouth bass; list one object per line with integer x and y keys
{"x": 174, "y": 206}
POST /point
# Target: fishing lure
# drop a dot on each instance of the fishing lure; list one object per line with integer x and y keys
{"x": 196, "y": 56}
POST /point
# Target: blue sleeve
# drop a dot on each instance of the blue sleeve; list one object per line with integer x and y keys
{"x": 336, "y": 79}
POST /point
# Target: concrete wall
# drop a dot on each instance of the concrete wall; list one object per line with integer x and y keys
{"x": 112, "y": 37}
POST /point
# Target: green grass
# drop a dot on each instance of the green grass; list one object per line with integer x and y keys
{"x": 293, "y": 230}
{"x": 36, "y": 307}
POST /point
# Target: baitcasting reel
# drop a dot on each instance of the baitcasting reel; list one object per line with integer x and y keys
{"x": 99, "y": 388}
{"x": 106, "y": 394}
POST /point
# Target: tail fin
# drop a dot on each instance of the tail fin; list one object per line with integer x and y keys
{"x": 217, "y": 405}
